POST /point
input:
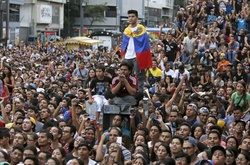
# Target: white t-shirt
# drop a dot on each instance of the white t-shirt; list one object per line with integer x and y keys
{"x": 130, "y": 52}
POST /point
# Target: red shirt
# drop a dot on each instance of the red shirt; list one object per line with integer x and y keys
{"x": 133, "y": 82}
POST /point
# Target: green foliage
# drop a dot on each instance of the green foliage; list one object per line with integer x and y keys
{"x": 95, "y": 13}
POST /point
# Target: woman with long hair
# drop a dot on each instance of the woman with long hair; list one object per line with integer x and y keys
{"x": 240, "y": 98}
{"x": 8, "y": 78}
{"x": 91, "y": 76}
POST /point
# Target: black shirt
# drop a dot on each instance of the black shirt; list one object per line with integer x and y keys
{"x": 100, "y": 86}
{"x": 170, "y": 50}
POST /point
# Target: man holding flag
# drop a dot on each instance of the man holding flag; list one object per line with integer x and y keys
{"x": 136, "y": 48}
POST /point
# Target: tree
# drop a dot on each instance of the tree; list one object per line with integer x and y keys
{"x": 95, "y": 13}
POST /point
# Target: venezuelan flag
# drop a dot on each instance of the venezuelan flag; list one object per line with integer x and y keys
{"x": 141, "y": 43}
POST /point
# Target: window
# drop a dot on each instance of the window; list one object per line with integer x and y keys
{"x": 111, "y": 12}
{"x": 55, "y": 14}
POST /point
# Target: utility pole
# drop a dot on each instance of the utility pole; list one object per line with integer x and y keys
{"x": 68, "y": 19}
{"x": 81, "y": 17}
{"x": 7, "y": 19}
{"x": 1, "y": 20}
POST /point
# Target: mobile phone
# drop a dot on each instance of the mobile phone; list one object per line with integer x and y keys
{"x": 153, "y": 116}
{"x": 119, "y": 140}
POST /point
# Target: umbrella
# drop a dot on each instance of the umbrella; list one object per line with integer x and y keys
{"x": 82, "y": 41}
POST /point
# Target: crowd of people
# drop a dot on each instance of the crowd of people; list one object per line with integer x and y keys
{"x": 187, "y": 95}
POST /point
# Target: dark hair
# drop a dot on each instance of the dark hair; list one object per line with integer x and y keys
{"x": 167, "y": 148}
{"x": 182, "y": 154}
{"x": 195, "y": 126}
{"x": 179, "y": 138}
{"x": 79, "y": 161}
{"x": 62, "y": 151}
{"x": 20, "y": 148}
{"x": 233, "y": 137}
{"x": 33, "y": 158}
{"x": 215, "y": 132}
{"x": 72, "y": 128}
{"x": 47, "y": 153}
{"x": 133, "y": 12}
{"x": 126, "y": 64}
{"x": 32, "y": 148}
{"x": 217, "y": 129}
{"x": 55, "y": 159}
{"x": 6, "y": 156}
{"x": 101, "y": 67}
{"x": 168, "y": 161}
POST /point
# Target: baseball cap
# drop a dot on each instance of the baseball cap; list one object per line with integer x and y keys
{"x": 191, "y": 140}
{"x": 210, "y": 162}
{"x": 215, "y": 148}
{"x": 203, "y": 110}
{"x": 193, "y": 106}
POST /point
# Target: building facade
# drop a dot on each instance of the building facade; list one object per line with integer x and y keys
{"x": 151, "y": 13}
{"x": 34, "y": 17}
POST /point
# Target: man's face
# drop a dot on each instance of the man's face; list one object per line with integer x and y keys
{"x": 124, "y": 70}
{"x": 44, "y": 114}
{"x": 27, "y": 125}
{"x": 184, "y": 131}
{"x": 246, "y": 144}
{"x": 237, "y": 114}
{"x": 43, "y": 139}
{"x": 203, "y": 117}
{"x": 16, "y": 156}
{"x": 132, "y": 19}
{"x": 188, "y": 148}
{"x": 165, "y": 137}
{"x": 42, "y": 158}
{"x": 66, "y": 133}
{"x": 173, "y": 116}
{"x": 117, "y": 121}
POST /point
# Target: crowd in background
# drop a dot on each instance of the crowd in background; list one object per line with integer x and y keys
{"x": 195, "y": 108}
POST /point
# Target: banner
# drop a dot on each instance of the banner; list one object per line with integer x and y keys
{"x": 45, "y": 14}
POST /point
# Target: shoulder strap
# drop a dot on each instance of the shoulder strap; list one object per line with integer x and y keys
{"x": 80, "y": 73}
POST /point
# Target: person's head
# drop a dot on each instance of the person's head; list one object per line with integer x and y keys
{"x": 56, "y": 132}
{"x": 59, "y": 153}
{"x": 241, "y": 87}
{"x": 155, "y": 132}
{"x": 44, "y": 138}
{"x": 231, "y": 154}
{"x": 214, "y": 138}
{"x": 197, "y": 131}
{"x": 29, "y": 151}
{"x": 166, "y": 136}
{"x": 163, "y": 151}
{"x": 20, "y": 139}
{"x": 245, "y": 145}
{"x": 173, "y": 117}
{"x": 182, "y": 159}
{"x": 176, "y": 144}
{"x": 132, "y": 16}
{"x": 4, "y": 137}
{"x": 43, "y": 156}
{"x": 125, "y": 68}
{"x": 83, "y": 150}
{"x": 53, "y": 161}
{"x": 190, "y": 146}
{"x": 239, "y": 126}
{"x": 191, "y": 110}
{"x": 29, "y": 124}
{"x": 242, "y": 159}
{"x": 4, "y": 157}
{"x": 203, "y": 114}
{"x": 218, "y": 154}
{"x": 16, "y": 154}
{"x": 117, "y": 121}
{"x": 76, "y": 161}
{"x": 140, "y": 161}
{"x": 185, "y": 130}
{"x": 31, "y": 160}
{"x": 232, "y": 141}
{"x": 90, "y": 134}
{"x": 100, "y": 69}
{"x": 68, "y": 132}
{"x": 140, "y": 139}
{"x": 114, "y": 132}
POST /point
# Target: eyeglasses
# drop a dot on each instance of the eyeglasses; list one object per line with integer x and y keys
{"x": 240, "y": 159}
{"x": 187, "y": 148}
{"x": 19, "y": 123}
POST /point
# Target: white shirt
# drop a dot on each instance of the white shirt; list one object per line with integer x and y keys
{"x": 130, "y": 52}
{"x": 179, "y": 75}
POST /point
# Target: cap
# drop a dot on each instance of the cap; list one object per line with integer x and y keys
{"x": 33, "y": 121}
{"x": 203, "y": 110}
{"x": 221, "y": 123}
{"x": 210, "y": 162}
{"x": 215, "y": 148}
{"x": 4, "y": 163}
{"x": 2, "y": 124}
{"x": 207, "y": 51}
{"x": 193, "y": 106}
{"x": 204, "y": 100}
{"x": 81, "y": 105}
{"x": 191, "y": 140}
{"x": 31, "y": 86}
